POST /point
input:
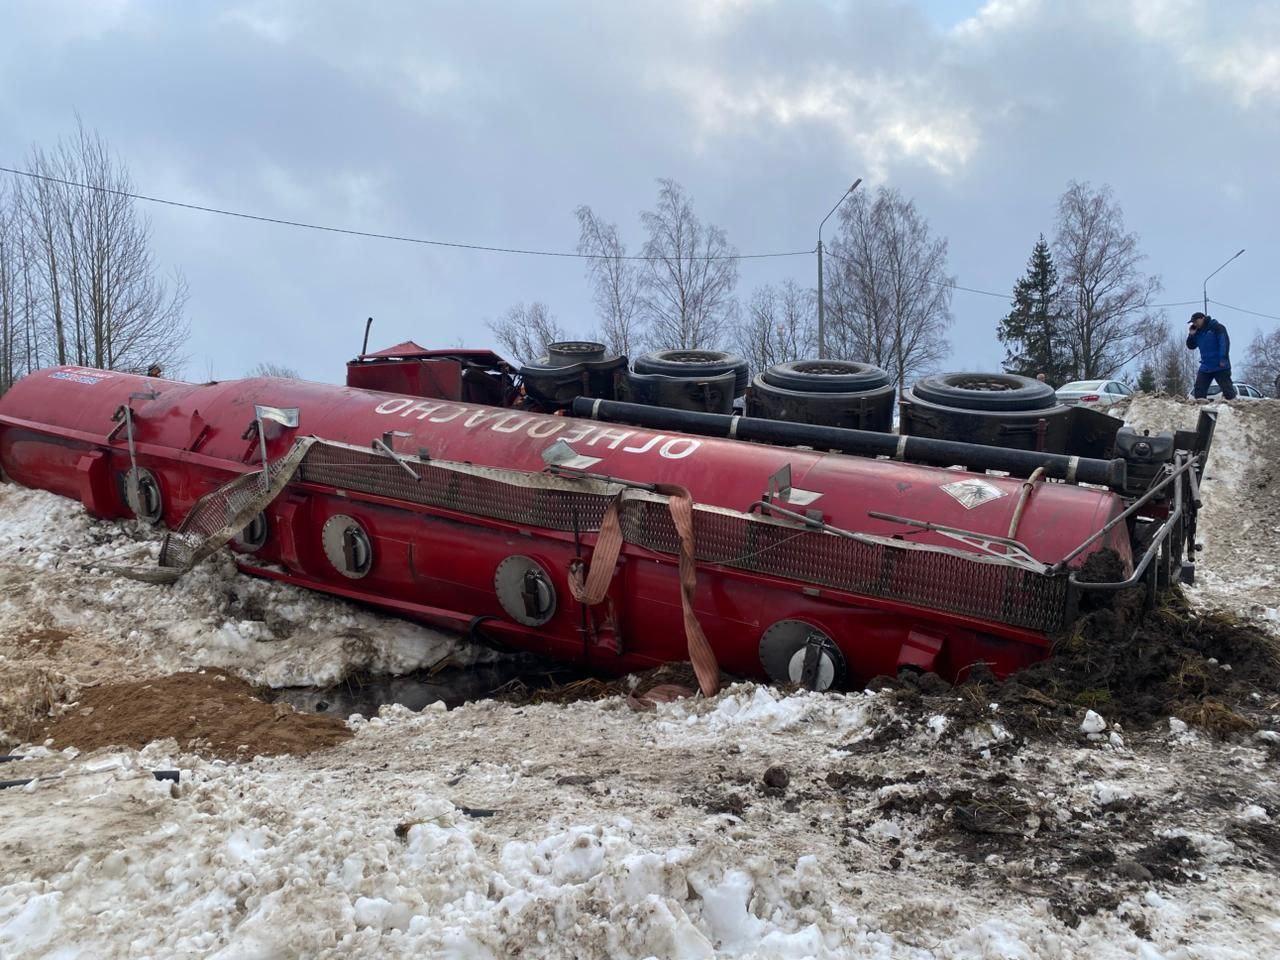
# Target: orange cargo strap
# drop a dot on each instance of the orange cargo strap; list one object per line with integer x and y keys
{"x": 604, "y": 559}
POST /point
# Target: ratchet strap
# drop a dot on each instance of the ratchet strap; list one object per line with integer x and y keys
{"x": 591, "y": 589}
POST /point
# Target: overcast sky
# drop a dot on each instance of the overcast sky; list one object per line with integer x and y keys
{"x": 489, "y": 122}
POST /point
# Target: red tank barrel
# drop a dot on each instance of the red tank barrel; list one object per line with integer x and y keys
{"x": 900, "y": 596}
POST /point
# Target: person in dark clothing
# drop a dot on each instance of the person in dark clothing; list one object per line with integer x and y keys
{"x": 1210, "y": 337}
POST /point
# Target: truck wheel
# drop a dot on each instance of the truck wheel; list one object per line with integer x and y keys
{"x": 862, "y": 410}
{"x": 826, "y": 376}
{"x": 700, "y": 394}
{"x": 567, "y": 352}
{"x": 695, "y": 363}
{"x": 985, "y": 391}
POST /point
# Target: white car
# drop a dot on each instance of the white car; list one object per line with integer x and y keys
{"x": 1242, "y": 389}
{"x": 1093, "y": 393}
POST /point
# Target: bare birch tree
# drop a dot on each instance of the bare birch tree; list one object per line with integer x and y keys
{"x": 779, "y": 325}
{"x": 1262, "y": 368}
{"x": 891, "y": 296}
{"x": 268, "y": 369}
{"x": 20, "y": 314}
{"x": 101, "y": 300}
{"x": 40, "y": 201}
{"x": 10, "y": 285}
{"x": 1108, "y": 319}
{"x": 524, "y": 331}
{"x": 615, "y": 283}
{"x": 687, "y": 285}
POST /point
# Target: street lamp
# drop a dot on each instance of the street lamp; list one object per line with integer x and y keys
{"x": 822, "y": 320}
{"x": 1205, "y": 286}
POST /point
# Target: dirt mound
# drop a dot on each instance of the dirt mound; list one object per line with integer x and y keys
{"x": 652, "y": 685}
{"x": 1141, "y": 668}
{"x": 1145, "y": 667}
{"x": 211, "y": 713}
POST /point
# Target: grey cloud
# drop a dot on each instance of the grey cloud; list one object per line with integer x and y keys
{"x": 490, "y": 122}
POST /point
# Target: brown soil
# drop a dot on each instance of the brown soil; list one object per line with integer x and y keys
{"x": 210, "y": 713}
{"x": 27, "y": 694}
{"x": 666, "y": 682}
{"x": 1143, "y": 667}
{"x": 1139, "y": 667}
{"x": 46, "y": 640}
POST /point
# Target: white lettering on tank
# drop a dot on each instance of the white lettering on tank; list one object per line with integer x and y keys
{"x": 668, "y": 449}
{"x": 479, "y": 417}
{"x": 648, "y": 445}
{"x": 546, "y": 428}
{"x": 614, "y": 437}
{"x": 423, "y": 409}
{"x": 459, "y": 411}
{"x": 504, "y": 425}
{"x": 539, "y": 427}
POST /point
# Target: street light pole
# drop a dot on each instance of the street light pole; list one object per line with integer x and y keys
{"x": 1205, "y": 286}
{"x": 822, "y": 319}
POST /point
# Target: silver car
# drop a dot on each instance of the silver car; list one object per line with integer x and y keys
{"x": 1242, "y": 389}
{"x": 1092, "y": 393}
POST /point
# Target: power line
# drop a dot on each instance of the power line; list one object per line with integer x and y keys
{"x": 1005, "y": 296}
{"x": 1252, "y": 313}
{"x": 518, "y": 251}
{"x": 381, "y": 236}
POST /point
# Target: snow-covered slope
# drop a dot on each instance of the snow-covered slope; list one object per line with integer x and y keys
{"x": 52, "y": 556}
{"x": 592, "y": 831}
{"x": 1239, "y": 525}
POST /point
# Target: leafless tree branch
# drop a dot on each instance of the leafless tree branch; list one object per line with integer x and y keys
{"x": 890, "y": 297}
{"x": 524, "y": 331}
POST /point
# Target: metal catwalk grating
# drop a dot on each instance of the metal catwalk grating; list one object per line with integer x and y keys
{"x": 908, "y": 573}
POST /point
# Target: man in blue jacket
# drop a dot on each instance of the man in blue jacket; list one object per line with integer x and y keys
{"x": 1210, "y": 338}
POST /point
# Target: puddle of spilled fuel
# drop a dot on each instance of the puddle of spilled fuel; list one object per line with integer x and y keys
{"x": 364, "y": 694}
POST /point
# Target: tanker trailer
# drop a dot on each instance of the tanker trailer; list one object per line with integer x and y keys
{"x": 622, "y": 537}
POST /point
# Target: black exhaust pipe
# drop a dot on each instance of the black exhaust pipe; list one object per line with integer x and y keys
{"x": 866, "y": 443}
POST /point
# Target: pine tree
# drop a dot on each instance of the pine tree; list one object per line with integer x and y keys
{"x": 1172, "y": 378}
{"x": 1031, "y": 330}
{"x": 1147, "y": 379}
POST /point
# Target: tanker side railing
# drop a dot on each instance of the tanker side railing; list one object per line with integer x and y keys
{"x": 998, "y": 588}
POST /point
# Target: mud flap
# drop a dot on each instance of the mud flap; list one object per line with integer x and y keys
{"x": 97, "y": 492}
{"x": 920, "y": 651}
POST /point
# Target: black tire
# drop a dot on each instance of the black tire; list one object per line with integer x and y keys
{"x": 863, "y": 410}
{"x": 695, "y": 363}
{"x": 557, "y": 386}
{"x": 985, "y": 391}
{"x": 1014, "y": 429}
{"x": 826, "y": 376}
{"x": 700, "y": 394}
{"x": 567, "y": 352}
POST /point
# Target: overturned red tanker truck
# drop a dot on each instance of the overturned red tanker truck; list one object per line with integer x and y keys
{"x": 532, "y": 508}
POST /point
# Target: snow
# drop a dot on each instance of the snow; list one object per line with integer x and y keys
{"x": 1239, "y": 523}
{"x": 267, "y": 632}
{"x": 591, "y": 830}
{"x": 365, "y": 850}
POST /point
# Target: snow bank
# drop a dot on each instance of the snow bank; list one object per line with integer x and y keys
{"x": 1239, "y": 524}
{"x": 554, "y": 831}
{"x": 51, "y": 576}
